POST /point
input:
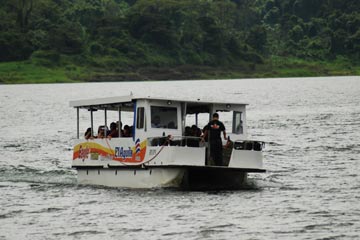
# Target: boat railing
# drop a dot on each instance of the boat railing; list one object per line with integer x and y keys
{"x": 189, "y": 141}
{"x": 181, "y": 141}
{"x": 249, "y": 145}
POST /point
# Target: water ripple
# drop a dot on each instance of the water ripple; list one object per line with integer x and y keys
{"x": 311, "y": 127}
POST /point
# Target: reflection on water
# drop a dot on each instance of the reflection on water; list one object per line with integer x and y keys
{"x": 311, "y": 189}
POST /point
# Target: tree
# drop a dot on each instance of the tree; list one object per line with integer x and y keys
{"x": 257, "y": 38}
{"x": 23, "y": 9}
{"x": 67, "y": 38}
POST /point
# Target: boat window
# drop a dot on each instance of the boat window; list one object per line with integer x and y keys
{"x": 164, "y": 117}
{"x": 200, "y": 120}
{"x": 238, "y": 127}
{"x": 140, "y": 118}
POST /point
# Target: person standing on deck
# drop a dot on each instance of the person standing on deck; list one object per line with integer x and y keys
{"x": 213, "y": 132}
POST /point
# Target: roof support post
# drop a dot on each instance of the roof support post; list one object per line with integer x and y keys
{"x": 183, "y": 115}
{"x": 92, "y": 122}
{"x": 105, "y": 127}
{"x": 196, "y": 119}
{"x": 119, "y": 111}
{"x": 77, "y": 123}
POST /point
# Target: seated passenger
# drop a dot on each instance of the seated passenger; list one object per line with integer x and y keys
{"x": 187, "y": 131}
{"x": 131, "y": 131}
{"x": 114, "y": 131}
{"x": 88, "y": 134}
{"x": 101, "y": 131}
{"x": 203, "y": 135}
{"x": 195, "y": 131}
{"x": 194, "y": 140}
{"x": 155, "y": 122}
{"x": 239, "y": 128}
{"x": 171, "y": 125}
{"x": 127, "y": 131}
{"x": 119, "y": 126}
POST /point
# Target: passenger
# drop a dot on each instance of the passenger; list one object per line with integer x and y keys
{"x": 127, "y": 131}
{"x": 131, "y": 131}
{"x": 194, "y": 140}
{"x": 214, "y": 129}
{"x": 205, "y": 138}
{"x": 155, "y": 122}
{"x": 101, "y": 131}
{"x": 171, "y": 125}
{"x": 119, "y": 126}
{"x": 88, "y": 134}
{"x": 239, "y": 128}
{"x": 114, "y": 131}
{"x": 187, "y": 131}
{"x": 195, "y": 131}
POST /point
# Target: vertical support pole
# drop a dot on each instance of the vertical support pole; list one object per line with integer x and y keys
{"x": 208, "y": 151}
{"x": 134, "y": 119}
{"x": 183, "y": 117}
{"x": 209, "y": 158}
{"x": 92, "y": 122}
{"x": 77, "y": 123}
{"x": 105, "y": 131}
{"x": 196, "y": 119}
{"x": 119, "y": 111}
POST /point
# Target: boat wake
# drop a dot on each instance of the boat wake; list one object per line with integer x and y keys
{"x": 26, "y": 174}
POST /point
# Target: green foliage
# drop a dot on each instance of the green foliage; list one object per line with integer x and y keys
{"x": 112, "y": 35}
{"x": 26, "y": 72}
{"x": 46, "y": 58}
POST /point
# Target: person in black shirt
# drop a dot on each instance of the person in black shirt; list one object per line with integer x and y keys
{"x": 213, "y": 133}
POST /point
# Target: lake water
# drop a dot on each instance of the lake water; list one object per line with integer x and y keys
{"x": 310, "y": 191}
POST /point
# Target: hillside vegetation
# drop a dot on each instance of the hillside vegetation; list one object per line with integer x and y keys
{"x": 116, "y": 40}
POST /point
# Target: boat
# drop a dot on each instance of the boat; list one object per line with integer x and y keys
{"x": 158, "y": 153}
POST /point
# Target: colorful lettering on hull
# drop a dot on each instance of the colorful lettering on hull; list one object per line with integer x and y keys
{"x": 135, "y": 154}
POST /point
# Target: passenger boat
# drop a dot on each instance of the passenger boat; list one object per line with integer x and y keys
{"x": 159, "y": 154}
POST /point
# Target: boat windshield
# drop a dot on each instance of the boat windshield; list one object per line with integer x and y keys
{"x": 164, "y": 117}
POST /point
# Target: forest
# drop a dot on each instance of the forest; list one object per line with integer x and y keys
{"x": 121, "y": 40}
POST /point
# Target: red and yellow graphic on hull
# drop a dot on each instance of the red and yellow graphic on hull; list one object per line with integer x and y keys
{"x": 134, "y": 154}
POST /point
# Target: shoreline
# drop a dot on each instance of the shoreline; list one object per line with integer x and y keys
{"x": 26, "y": 72}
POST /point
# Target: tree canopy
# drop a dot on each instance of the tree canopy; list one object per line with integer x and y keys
{"x": 130, "y": 33}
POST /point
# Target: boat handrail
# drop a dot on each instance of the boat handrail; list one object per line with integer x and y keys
{"x": 181, "y": 141}
{"x": 249, "y": 145}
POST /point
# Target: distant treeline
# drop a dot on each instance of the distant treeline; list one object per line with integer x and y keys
{"x": 131, "y": 33}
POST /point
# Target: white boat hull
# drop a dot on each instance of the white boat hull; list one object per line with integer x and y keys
{"x": 132, "y": 178}
{"x": 182, "y": 177}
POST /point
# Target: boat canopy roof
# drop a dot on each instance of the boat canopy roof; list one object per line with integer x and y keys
{"x": 126, "y": 103}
